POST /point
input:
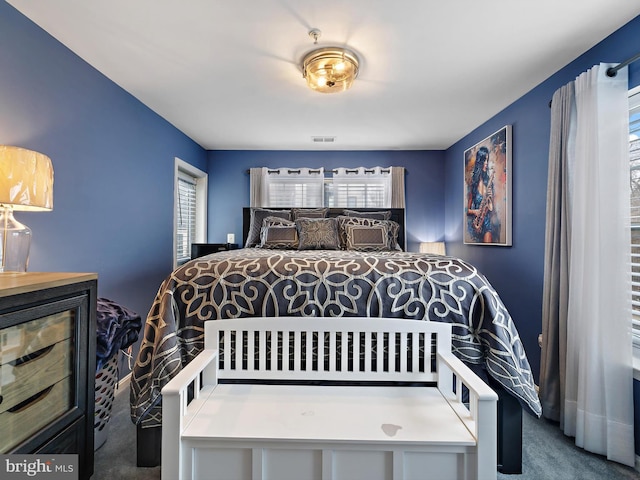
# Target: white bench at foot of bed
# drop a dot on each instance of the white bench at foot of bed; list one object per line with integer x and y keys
{"x": 363, "y": 422}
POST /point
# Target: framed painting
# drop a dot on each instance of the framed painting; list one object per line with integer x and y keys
{"x": 487, "y": 190}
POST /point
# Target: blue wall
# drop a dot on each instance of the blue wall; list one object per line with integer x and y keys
{"x": 113, "y": 161}
{"x": 424, "y": 183}
{"x": 517, "y": 272}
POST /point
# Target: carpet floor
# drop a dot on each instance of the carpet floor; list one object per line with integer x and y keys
{"x": 547, "y": 453}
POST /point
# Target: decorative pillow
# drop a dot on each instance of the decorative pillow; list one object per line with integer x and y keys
{"x": 367, "y": 239}
{"x": 279, "y": 237}
{"x": 392, "y": 229}
{"x": 318, "y": 234}
{"x": 255, "y": 225}
{"x": 297, "y": 213}
{"x": 382, "y": 215}
{"x": 277, "y": 222}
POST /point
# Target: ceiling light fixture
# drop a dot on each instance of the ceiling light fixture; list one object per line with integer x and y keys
{"x": 329, "y": 69}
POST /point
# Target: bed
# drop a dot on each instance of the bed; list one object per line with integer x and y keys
{"x": 272, "y": 282}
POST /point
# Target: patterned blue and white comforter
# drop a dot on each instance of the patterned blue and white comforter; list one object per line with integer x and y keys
{"x": 255, "y": 282}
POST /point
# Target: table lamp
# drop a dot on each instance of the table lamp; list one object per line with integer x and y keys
{"x": 433, "y": 247}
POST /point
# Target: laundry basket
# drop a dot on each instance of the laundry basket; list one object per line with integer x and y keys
{"x": 117, "y": 328}
{"x": 106, "y": 382}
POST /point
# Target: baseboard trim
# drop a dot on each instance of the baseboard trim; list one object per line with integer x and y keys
{"x": 124, "y": 381}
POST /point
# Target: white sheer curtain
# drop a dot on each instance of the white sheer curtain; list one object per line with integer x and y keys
{"x": 362, "y": 187}
{"x": 597, "y": 408}
{"x": 599, "y": 397}
{"x": 292, "y": 187}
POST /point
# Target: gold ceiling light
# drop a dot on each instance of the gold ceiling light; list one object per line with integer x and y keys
{"x": 329, "y": 69}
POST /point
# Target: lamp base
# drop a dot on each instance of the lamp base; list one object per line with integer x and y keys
{"x": 15, "y": 241}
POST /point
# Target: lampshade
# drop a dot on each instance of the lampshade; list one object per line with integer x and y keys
{"x": 26, "y": 183}
{"x": 437, "y": 248}
{"x": 26, "y": 179}
{"x": 330, "y": 70}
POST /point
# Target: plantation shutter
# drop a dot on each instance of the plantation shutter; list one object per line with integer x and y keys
{"x": 634, "y": 157}
{"x": 185, "y": 217}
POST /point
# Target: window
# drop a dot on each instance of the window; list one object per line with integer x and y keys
{"x": 300, "y": 187}
{"x": 190, "y": 213}
{"x": 634, "y": 158}
{"x": 360, "y": 188}
{"x": 342, "y": 187}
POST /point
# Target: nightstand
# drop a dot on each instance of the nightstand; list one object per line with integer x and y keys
{"x": 47, "y": 360}
{"x": 201, "y": 249}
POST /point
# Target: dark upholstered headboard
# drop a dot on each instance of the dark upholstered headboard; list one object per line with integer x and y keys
{"x": 397, "y": 215}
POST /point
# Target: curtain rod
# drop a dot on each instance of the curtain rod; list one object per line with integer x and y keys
{"x": 613, "y": 71}
{"x": 367, "y": 170}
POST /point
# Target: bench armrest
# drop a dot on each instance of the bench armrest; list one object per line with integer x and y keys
{"x": 175, "y": 407}
{"x": 466, "y": 375}
{"x": 479, "y": 414}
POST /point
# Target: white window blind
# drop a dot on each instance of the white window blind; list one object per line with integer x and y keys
{"x": 634, "y": 158}
{"x": 185, "y": 217}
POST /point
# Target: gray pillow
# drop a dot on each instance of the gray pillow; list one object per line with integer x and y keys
{"x": 318, "y": 234}
{"x": 271, "y": 221}
{"x": 365, "y": 238}
{"x": 257, "y": 217}
{"x": 279, "y": 237}
{"x": 297, "y": 213}
{"x": 382, "y": 215}
{"x": 392, "y": 229}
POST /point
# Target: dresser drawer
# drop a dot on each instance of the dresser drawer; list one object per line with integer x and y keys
{"x": 28, "y": 375}
{"x": 32, "y": 336}
{"x": 23, "y": 420}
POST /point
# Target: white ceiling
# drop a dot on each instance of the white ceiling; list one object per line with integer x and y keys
{"x": 227, "y": 74}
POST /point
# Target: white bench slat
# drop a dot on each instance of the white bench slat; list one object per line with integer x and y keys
{"x": 297, "y": 351}
{"x": 251, "y": 350}
{"x": 367, "y": 352}
{"x": 391, "y": 358}
{"x": 227, "y": 342}
{"x": 379, "y": 351}
{"x": 239, "y": 345}
{"x": 308, "y": 350}
{"x": 404, "y": 352}
{"x": 415, "y": 357}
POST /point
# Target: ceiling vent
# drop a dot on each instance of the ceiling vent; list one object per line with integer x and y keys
{"x": 323, "y": 139}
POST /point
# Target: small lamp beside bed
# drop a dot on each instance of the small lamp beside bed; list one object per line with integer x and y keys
{"x": 437, "y": 248}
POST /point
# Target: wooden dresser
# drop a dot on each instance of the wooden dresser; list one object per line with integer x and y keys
{"x": 47, "y": 362}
